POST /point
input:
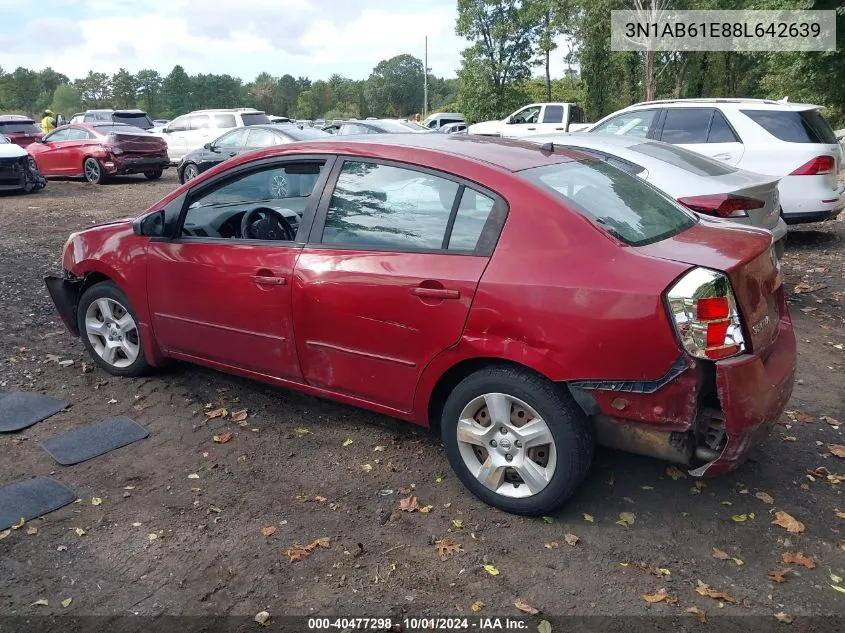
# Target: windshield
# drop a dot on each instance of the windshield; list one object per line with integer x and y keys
{"x": 625, "y": 206}
{"x": 255, "y": 118}
{"x": 687, "y": 160}
{"x": 138, "y": 119}
{"x": 18, "y": 127}
{"x": 119, "y": 128}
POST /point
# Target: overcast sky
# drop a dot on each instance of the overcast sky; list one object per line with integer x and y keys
{"x": 314, "y": 38}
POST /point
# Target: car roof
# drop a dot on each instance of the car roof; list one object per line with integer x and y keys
{"x": 507, "y": 154}
{"x": 17, "y": 118}
{"x": 726, "y": 102}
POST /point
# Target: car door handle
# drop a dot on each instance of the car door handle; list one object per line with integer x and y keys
{"x": 232, "y": 154}
{"x": 532, "y": 128}
{"x": 435, "y": 293}
{"x": 723, "y": 156}
{"x": 560, "y": 128}
{"x": 267, "y": 280}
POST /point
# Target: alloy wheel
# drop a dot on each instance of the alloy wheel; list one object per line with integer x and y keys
{"x": 92, "y": 170}
{"x": 112, "y": 332}
{"x": 506, "y": 445}
{"x": 190, "y": 172}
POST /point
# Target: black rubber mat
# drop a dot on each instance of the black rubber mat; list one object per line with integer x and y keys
{"x": 30, "y": 498}
{"x": 91, "y": 441}
{"x": 19, "y": 410}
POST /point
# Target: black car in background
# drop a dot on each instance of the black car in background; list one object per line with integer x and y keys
{"x": 239, "y": 141}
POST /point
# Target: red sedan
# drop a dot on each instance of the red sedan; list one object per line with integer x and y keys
{"x": 96, "y": 151}
{"x": 527, "y": 301}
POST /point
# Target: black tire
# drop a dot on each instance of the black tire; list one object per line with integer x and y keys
{"x": 108, "y": 290}
{"x": 189, "y": 172}
{"x": 154, "y": 175}
{"x": 570, "y": 428}
{"x": 93, "y": 172}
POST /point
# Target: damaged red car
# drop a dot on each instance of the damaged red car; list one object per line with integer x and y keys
{"x": 528, "y": 302}
{"x": 96, "y": 151}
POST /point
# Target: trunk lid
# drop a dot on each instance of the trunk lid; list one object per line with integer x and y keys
{"x": 745, "y": 255}
{"x": 767, "y": 191}
{"x": 137, "y": 143}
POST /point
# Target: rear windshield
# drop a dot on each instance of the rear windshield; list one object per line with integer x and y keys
{"x": 255, "y": 118}
{"x": 119, "y": 128}
{"x": 18, "y": 127}
{"x": 685, "y": 159}
{"x": 807, "y": 126}
{"x": 140, "y": 120}
{"x": 625, "y": 206}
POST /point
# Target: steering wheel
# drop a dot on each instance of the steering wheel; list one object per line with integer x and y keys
{"x": 264, "y": 223}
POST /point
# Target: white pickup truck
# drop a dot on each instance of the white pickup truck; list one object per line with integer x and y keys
{"x": 537, "y": 118}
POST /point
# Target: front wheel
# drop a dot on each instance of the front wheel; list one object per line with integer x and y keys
{"x": 516, "y": 440}
{"x": 190, "y": 172}
{"x": 154, "y": 175}
{"x": 93, "y": 171}
{"x": 109, "y": 330}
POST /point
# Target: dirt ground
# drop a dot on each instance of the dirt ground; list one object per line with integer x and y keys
{"x": 206, "y": 503}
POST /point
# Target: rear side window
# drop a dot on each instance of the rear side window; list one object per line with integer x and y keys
{"x": 807, "y": 126}
{"x": 255, "y": 118}
{"x": 576, "y": 114}
{"x": 720, "y": 130}
{"x": 224, "y": 121}
{"x": 686, "y": 125}
{"x": 14, "y": 127}
{"x": 625, "y": 206}
{"x": 200, "y": 122}
{"x": 553, "y": 114}
{"x": 473, "y": 215}
{"x": 687, "y": 160}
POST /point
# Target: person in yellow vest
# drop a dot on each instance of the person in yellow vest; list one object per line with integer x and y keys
{"x": 47, "y": 122}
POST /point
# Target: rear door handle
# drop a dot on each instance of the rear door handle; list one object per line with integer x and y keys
{"x": 532, "y": 128}
{"x": 435, "y": 293}
{"x": 266, "y": 280}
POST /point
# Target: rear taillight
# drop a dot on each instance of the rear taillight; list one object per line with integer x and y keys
{"x": 819, "y": 166}
{"x": 722, "y": 205}
{"x": 703, "y": 308}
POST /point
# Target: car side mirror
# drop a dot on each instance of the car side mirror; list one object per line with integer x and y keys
{"x": 150, "y": 225}
{"x": 41, "y": 139}
{"x": 509, "y": 119}
{"x": 210, "y": 147}
{"x": 9, "y": 140}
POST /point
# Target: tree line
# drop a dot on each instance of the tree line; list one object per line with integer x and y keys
{"x": 510, "y": 42}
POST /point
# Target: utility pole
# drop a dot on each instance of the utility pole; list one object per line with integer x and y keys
{"x": 425, "y": 81}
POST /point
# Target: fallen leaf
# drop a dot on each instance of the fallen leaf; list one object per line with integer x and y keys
{"x": 571, "y": 539}
{"x": 19, "y": 524}
{"x": 367, "y": 467}
{"x": 783, "y": 617}
{"x": 840, "y": 514}
{"x": 347, "y": 441}
{"x": 446, "y": 547}
{"x": 66, "y": 602}
{"x": 426, "y": 509}
{"x": 525, "y": 607}
{"x": 706, "y": 590}
{"x": 765, "y": 497}
{"x": 834, "y": 578}
{"x": 152, "y": 536}
{"x": 544, "y": 627}
{"x": 193, "y": 476}
{"x": 40, "y": 603}
{"x": 837, "y": 449}
{"x": 223, "y": 438}
{"x": 32, "y": 531}
{"x": 804, "y": 287}
{"x": 4, "y": 534}
{"x": 739, "y": 562}
{"x": 301, "y": 552}
{"x": 551, "y": 545}
{"x": 240, "y": 416}
{"x": 404, "y": 491}
{"x": 439, "y": 480}
{"x": 491, "y": 570}
{"x": 830, "y": 420}
{"x": 675, "y": 473}
{"x": 300, "y": 431}
{"x": 409, "y": 504}
{"x": 458, "y": 524}
{"x": 646, "y": 487}
{"x": 217, "y": 413}
{"x": 660, "y": 596}
{"x": 589, "y": 517}
{"x": 702, "y": 617}
{"x": 477, "y": 606}
{"x": 268, "y": 531}
{"x": 308, "y": 498}
{"x": 660, "y": 572}
{"x": 798, "y": 559}
{"x": 789, "y": 523}
{"x": 837, "y": 588}
{"x": 626, "y": 519}
{"x": 95, "y": 501}
{"x": 263, "y": 618}
{"x": 719, "y": 554}
{"x": 79, "y": 531}
{"x": 548, "y": 520}
{"x": 778, "y": 575}
{"x": 739, "y": 518}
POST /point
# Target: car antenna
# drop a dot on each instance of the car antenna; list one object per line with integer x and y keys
{"x": 547, "y": 147}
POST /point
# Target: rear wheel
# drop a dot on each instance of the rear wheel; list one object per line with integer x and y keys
{"x": 93, "y": 171}
{"x": 154, "y": 175}
{"x": 109, "y": 330}
{"x": 516, "y": 440}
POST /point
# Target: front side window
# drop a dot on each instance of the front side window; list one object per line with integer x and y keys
{"x": 178, "y": 125}
{"x": 531, "y": 114}
{"x": 265, "y": 204}
{"x": 623, "y": 205}
{"x": 636, "y": 123}
{"x": 200, "y": 122}
{"x": 232, "y": 140}
{"x": 553, "y": 114}
{"x": 388, "y": 208}
{"x": 686, "y": 125}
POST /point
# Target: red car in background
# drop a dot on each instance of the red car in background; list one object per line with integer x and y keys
{"x": 527, "y": 301}
{"x": 96, "y": 151}
{"x": 21, "y": 130}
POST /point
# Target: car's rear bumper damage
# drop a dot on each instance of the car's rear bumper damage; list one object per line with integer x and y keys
{"x": 702, "y": 414}
{"x": 135, "y": 165}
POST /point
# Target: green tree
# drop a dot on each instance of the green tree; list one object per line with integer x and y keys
{"x": 94, "y": 90}
{"x": 66, "y": 100}
{"x": 124, "y": 89}
{"x": 288, "y": 94}
{"x": 149, "y": 91}
{"x": 50, "y": 80}
{"x": 177, "y": 90}
{"x": 395, "y": 87}
{"x": 556, "y": 18}
{"x": 305, "y": 106}
{"x": 503, "y": 33}
{"x": 21, "y": 90}
{"x": 321, "y": 93}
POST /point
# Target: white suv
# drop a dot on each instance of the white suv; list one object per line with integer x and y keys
{"x": 788, "y": 140}
{"x": 191, "y": 131}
